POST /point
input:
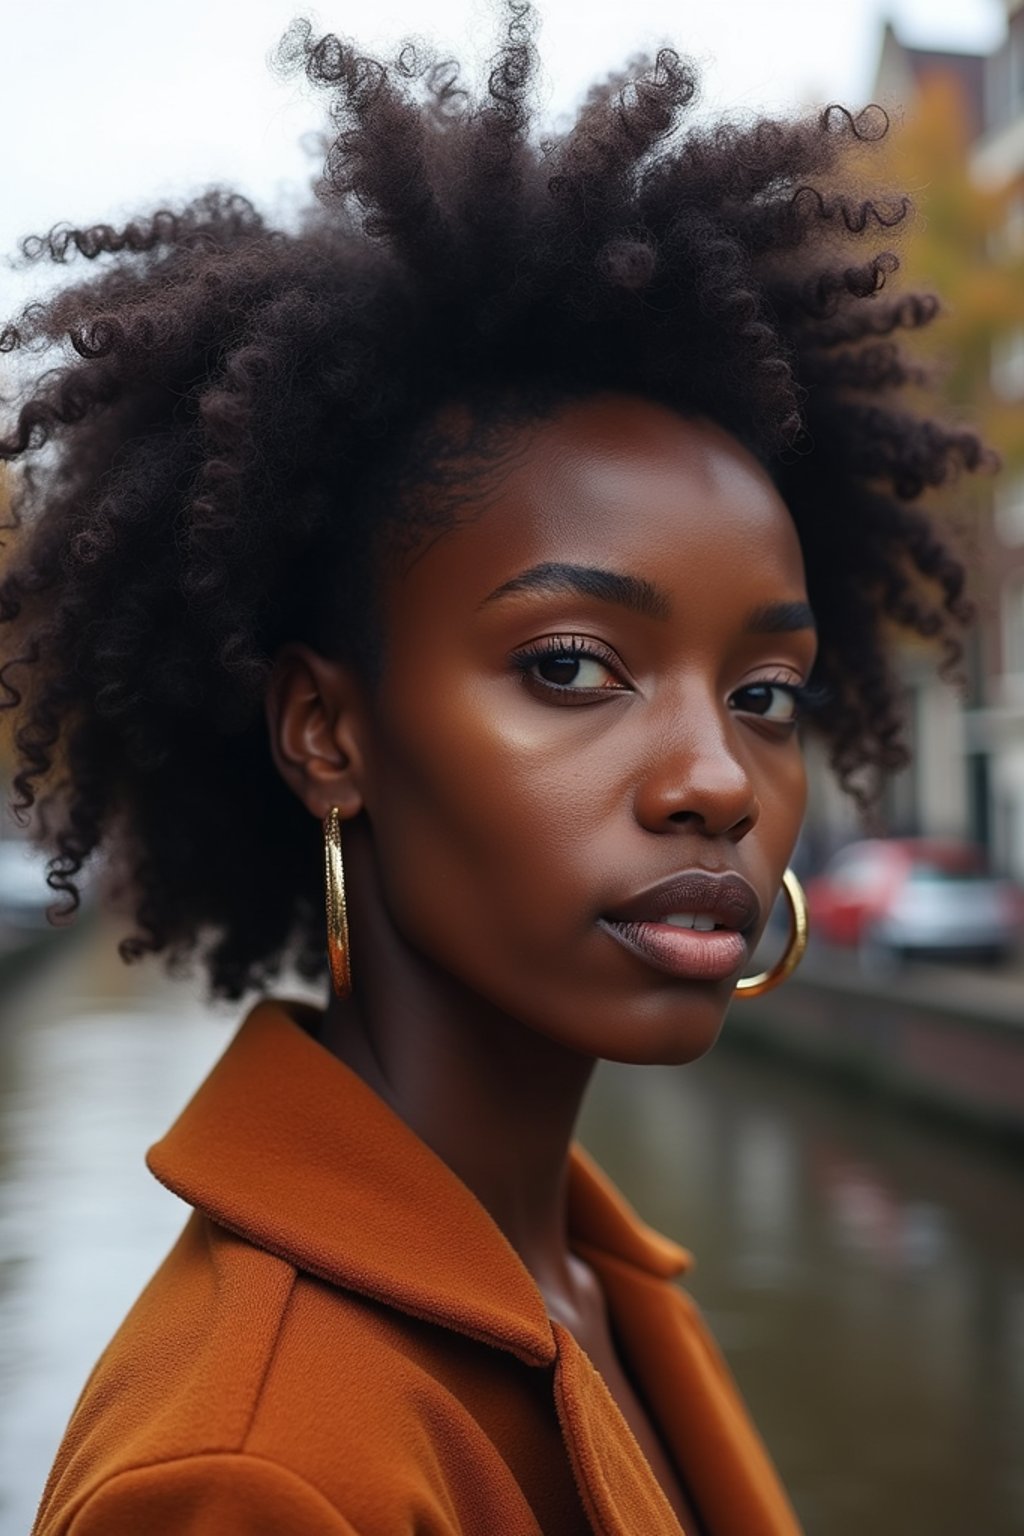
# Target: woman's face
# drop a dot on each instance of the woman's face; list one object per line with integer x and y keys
{"x": 583, "y": 738}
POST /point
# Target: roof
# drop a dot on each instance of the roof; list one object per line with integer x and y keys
{"x": 901, "y": 71}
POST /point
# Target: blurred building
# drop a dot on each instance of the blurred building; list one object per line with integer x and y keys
{"x": 902, "y": 70}
{"x": 996, "y": 727}
{"x": 967, "y": 776}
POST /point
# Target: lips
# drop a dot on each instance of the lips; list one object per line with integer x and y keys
{"x": 657, "y": 924}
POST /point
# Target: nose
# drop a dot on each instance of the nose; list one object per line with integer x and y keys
{"x": 696, "y": 777}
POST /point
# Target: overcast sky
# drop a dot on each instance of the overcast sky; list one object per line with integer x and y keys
{"x": 107, "y": 106}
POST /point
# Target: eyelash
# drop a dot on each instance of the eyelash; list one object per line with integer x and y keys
{"x": 808, "y": 697}
{"x": 571, "y": 648}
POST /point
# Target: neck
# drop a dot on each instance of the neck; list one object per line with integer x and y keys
{"x": 495, "y": 1099}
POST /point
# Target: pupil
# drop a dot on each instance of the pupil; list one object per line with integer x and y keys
{"x": 560, "y": 669}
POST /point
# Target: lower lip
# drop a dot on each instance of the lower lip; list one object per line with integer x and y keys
{"x": 683, "y": 952}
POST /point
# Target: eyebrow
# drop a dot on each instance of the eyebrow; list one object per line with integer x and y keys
{"x": 779, "y": 619}
{"x": 633, "y": 592}
{"x": 640, "y": 595}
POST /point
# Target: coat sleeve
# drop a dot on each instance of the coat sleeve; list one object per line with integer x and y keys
{"x": 228, "y": 1494}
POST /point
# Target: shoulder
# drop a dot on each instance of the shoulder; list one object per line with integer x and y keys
{"x": 213, "y": 1494}
{"x": 240, "y": 1383}
{"x": 184, "y": 1371}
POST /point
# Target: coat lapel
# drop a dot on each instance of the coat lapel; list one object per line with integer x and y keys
{"x": 287, "y": 1147}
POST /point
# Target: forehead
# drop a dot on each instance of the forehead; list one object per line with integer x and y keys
{"x": 616, "y": 483}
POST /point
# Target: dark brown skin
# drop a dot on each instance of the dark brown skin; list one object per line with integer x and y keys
{"x": 492, "y": 818}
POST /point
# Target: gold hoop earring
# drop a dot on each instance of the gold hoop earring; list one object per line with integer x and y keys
{"x": 337, "y": 911}
{"x": 753, "y": 986}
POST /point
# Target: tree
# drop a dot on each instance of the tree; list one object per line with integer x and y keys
{"x": 963, "y": 245}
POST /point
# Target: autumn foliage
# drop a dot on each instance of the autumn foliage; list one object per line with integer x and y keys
{"x": 966, "y": 244}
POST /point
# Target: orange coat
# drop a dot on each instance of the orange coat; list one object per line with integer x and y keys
{"x": 343, "y": 1343}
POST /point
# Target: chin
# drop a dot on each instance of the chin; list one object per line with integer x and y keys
{"x": 671, "y": 1048}
{"x": 666, "y": 1031}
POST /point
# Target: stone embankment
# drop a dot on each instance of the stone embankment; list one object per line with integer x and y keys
{"x": 946, "y": 1039}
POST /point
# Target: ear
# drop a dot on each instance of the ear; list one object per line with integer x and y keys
{"x": 317, "y": 722}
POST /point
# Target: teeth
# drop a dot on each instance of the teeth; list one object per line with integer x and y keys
{"x": 703, "y": 922}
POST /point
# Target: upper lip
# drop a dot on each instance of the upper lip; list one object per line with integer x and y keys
{"x": 728, "y": 898}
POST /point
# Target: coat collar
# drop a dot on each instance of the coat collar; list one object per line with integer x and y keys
{"x": 286, "y": 1146}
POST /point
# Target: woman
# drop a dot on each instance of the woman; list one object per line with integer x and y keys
{"x": 500, "y": 526}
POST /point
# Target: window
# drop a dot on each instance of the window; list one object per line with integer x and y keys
{"x": 1013, "y": 626}
{"x": 1008, "y": 364}
{"x": 859, "y": 869}
{"x": 1009, "y": 509}
{"x": 1013, "y": 229}
{"x": 1015, "y": 46}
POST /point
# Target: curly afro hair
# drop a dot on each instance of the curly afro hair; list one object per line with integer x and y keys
{"x": 218, "y": 441}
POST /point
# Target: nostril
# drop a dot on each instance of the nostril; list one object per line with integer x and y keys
{"x": 743, "y": 826}
{"x": 737, "y": 830}
{"x": 709, "y": 795}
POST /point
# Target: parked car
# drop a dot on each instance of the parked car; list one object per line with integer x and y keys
{"x": 24, "y": 893}
{"x": 916, "y": 896}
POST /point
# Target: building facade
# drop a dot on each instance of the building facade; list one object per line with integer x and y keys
{"x": 967, "y": 775}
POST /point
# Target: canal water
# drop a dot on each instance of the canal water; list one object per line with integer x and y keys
{"x": 864, "y": 1274}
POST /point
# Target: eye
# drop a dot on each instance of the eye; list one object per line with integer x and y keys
{"x": 779, "y": 703}
{"x": 567, "y": 669}
{"x": 568, "y": 664}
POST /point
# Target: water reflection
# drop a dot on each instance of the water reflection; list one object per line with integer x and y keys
{"x": 90, "y": 1071}
{"x": 865, "y": 1276}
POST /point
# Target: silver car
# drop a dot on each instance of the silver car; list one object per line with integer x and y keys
{"x": 915, "y": 895}
{"x": 936, "y": 910}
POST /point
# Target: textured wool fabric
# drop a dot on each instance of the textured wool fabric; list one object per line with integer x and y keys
{"x": 343, "y": 1343}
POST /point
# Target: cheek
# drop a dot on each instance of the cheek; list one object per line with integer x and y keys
{"x": 476, "y": 816}
{"x": 783, "y": 801}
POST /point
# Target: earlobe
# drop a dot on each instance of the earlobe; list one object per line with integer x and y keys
{"x": 315, "y": 719}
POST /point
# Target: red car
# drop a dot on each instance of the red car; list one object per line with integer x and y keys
{"x": 916, "y": 895}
